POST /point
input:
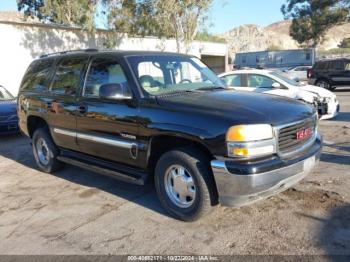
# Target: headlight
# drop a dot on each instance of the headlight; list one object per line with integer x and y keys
{"x": 249, "y": 141}
{"x": 326, "y": 100}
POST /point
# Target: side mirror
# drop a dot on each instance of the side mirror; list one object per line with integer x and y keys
{"x": 276, "y": 85}
{"x": 115, "y": 92}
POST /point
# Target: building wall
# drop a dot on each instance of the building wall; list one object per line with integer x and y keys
{"x": 23, "y": 42}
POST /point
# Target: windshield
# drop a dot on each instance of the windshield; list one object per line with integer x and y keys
{"x": 164, "y": 74}
{"x": 4, "y": 94}
{"x": 286, "y": 78}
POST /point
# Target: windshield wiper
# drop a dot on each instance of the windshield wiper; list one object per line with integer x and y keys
{"x": 177, "y": 92}
{"x": 212, "y": 88}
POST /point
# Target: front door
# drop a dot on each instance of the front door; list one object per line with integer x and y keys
{"x": 264, "y": 84}
{"x": 107, "y": 128}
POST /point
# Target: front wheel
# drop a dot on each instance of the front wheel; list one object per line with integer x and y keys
{"x": 185, "y": 184}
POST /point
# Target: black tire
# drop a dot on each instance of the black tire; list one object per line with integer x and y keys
{"x": 325, "y": 84}
{"x": 197, "y": 164}
{"x": 52, "y": 165}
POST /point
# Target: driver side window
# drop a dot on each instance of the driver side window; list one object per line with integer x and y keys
{"x": 259, "y": 81}
{"x": 104, "y": 71}
{"x": 151, "y": 76}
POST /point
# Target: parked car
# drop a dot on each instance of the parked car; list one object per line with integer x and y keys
{"x": 8, "y": 114}
{"x": 132, "y": 115}
{"x": 298, "y": 73}
{"x": 330, "y": 73}
{"x": 278, "y": 83}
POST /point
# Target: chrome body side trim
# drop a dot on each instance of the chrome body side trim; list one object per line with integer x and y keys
{"x": 64, "y": 132}
{"x": 98, "y": 139}
{"x": 107, "y": 141}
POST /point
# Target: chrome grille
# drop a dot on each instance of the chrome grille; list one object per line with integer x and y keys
{"x": 287, "y": 135}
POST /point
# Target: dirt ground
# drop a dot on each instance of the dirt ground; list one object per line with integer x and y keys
{"x": 79, "y": 212}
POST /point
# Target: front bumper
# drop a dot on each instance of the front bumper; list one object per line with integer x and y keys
{"x": 248, "y": 185}
{"x": 332, "y": 111}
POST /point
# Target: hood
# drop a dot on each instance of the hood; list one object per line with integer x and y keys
{"x": 321, "y": 92}
{"x": 238, "y": 107}
{"x": 8, "y": 107}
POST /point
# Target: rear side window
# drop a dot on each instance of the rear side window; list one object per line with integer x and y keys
{"x": 103, "y": 71}
{"x": 68, "y": 76}
{"x": 232, "y": 80}
{"x": 336, "y": 65}
{"x": 321, "y": 65}
{"x": 37, "y": 76}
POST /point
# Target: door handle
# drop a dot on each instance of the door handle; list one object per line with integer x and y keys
{"x": 82, "y": 109}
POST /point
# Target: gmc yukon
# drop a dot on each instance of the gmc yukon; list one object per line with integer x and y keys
{"x": 135, "y": 115}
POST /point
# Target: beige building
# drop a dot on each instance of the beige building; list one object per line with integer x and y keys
{"x": 22, "y": 41}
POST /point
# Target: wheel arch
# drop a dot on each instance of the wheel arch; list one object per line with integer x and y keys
{"x": 35, "y": 122}
{"x": 162, "y": 143}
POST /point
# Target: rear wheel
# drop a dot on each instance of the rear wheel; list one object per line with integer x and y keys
{"x": 185, "y": 184}
{"x": 45, "y": 151}
{"x": 325, "y": 84}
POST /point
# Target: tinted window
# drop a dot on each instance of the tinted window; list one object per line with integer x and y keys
{"x": 336, "y": 65}
{"x": 68, "y": 75}
{"x": 321, "y": 65}
{"x": 347, "y": 66}
{"x": 232, "y": 80}
{"x": 103, "y": 71}
{"x": 37, "y": 76}
{"x": 259, "y": 81}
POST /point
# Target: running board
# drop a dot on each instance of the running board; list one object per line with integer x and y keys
{"x": 137, "y": 177}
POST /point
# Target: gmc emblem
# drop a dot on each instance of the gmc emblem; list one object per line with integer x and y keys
{"x": 304, "y": 134}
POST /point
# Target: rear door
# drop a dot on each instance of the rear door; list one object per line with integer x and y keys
{"x": 107, "y": 128}
{"x": 344, "y": 76}
{"x": 336, "y": 72}
{"x": 62, "y": 100}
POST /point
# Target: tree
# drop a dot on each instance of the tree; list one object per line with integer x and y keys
{"x": 273, "y": 47}
{"x": 345, "y": 43}
{"x": 313, "y": 18}
{"x": 66, "y": 12}
{"x": 181, "y": 19}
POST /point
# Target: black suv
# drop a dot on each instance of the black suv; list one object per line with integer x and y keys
{"x": 135, "y": 115}
{"x": 330, "y": 73}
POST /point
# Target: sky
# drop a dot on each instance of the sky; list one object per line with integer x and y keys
{"x": 224, "y": 14}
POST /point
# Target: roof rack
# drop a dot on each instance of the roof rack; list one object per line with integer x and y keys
{"x": 70, "y": 51}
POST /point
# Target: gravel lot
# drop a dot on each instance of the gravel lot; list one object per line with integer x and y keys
{"x": 79, "y": 212}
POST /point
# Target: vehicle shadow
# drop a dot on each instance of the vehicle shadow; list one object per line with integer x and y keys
{"x": 335, "y": 158}
{"x": 17, "y": 148}
{"x": 341, "y": 117}
{"x": 341, "y": 90}
{"x": 334, "y": 234}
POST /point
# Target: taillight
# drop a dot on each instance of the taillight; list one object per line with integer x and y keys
{"x": 310, "y": 73}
